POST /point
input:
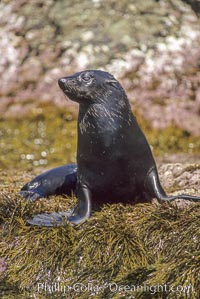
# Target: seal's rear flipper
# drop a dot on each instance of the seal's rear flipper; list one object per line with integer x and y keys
{"x": 57, "y": 181}
{"x": 53, "y": 219}
{"x": 155, "y": 189}
{"x": 30, "y": 195}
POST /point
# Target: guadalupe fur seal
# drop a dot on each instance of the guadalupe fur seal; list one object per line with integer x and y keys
{"x": 114, "y": 160}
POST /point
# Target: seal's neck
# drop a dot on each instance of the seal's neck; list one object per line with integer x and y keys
{"x": 110, "y": 115}
{"x": 114, "y": 101}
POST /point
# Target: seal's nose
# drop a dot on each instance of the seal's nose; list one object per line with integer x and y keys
{"x": 61, "y": 82}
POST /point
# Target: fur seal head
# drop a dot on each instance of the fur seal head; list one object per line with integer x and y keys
{"x": 91, "y": 86}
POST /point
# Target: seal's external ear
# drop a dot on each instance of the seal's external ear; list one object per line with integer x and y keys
{"x": 112, "y": 82}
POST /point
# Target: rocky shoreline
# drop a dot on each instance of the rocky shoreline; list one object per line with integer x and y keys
{"x": 152, "y": 47}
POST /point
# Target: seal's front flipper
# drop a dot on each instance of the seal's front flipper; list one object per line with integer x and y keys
{"x": 153, "y": 186}
{"x": 53, "y": 219}
{"x": 83, "y": 210}
{"x": 77, "y": 215}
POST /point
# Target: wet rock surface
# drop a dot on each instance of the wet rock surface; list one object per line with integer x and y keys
{"x": 152, "y": 47}
{"x": 182, "y": 177}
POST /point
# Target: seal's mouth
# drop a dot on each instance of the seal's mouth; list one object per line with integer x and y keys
{"x": 65, "y": 85}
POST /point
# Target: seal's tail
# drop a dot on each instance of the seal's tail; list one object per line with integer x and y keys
{"x": 155, "y": 189}
{"x": 53, "y": 219}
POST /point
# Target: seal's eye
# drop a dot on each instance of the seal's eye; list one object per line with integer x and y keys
{"x": 86, "y": 78}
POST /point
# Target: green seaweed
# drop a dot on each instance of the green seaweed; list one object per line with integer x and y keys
{"x": 38, "y": 140}
{"x": 48, "y": 138}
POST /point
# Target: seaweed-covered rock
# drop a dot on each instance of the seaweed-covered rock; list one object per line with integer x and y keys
{"x": 123, "y": 251}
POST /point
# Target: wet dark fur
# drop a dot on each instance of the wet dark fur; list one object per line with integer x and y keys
{"x": 114, "y": 160}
